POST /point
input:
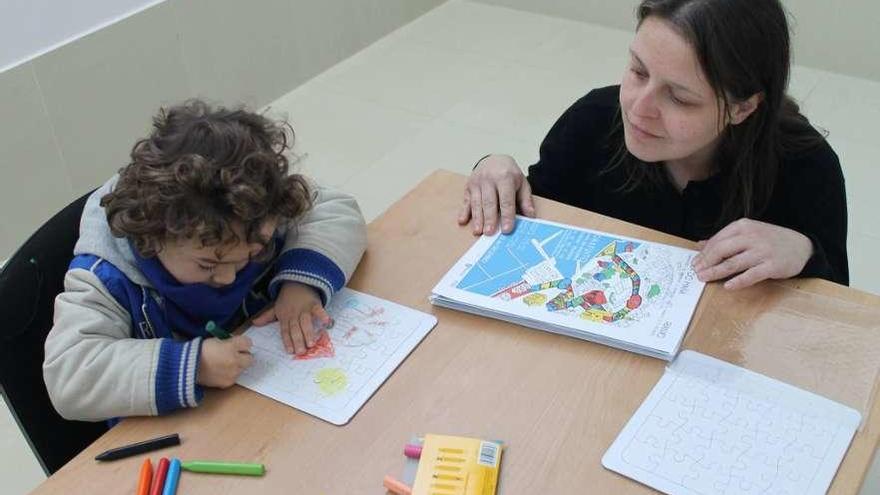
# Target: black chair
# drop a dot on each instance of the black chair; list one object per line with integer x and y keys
{"x": 29, "y": 282}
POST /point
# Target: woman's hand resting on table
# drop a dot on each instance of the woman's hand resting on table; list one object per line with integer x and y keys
{"x": 496, "y": 187}
{"x": 750, "y": 251}
{"x": 747, "y": 251}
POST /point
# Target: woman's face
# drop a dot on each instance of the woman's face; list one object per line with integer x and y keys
{"x": 670, "y": 112}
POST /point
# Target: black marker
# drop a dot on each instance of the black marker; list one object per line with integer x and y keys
{"x": 139, "y": 448}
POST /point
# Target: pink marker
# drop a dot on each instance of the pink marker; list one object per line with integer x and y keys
{"x": 412, "y": 451}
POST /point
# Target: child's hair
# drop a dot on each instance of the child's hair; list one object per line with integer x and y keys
{"x": 200, "y": 171}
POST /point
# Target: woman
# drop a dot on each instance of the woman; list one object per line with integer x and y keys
{"x": 700, "y": 141}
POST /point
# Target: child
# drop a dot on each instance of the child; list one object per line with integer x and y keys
{"x": 203, "y": 226}
{"x": 699, "y": 140}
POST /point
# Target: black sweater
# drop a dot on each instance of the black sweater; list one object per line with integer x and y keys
{"x": 808, "y": 197}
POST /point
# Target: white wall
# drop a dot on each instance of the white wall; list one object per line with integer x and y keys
{"x": 71, "y": 115}
{"x": 29, "y": 28}
{"x": 835, "y": 36}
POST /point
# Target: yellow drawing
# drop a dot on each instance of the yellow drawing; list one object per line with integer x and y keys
{"x": 331, "y": 381}
{"x": 535, "y": 299}
{"x": 596, "y": 315}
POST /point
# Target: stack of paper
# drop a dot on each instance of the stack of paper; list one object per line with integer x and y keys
{"x": 626, "y": 293}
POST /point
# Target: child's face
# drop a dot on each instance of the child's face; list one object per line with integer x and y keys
{"x": 192, "y": 263}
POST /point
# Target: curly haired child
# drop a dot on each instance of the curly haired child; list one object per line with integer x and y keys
{"x": 203, "y": 225}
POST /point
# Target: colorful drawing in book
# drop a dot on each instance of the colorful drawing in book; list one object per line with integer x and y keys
{"x": 594, "y": 302}
{"x": 591, "y": 276}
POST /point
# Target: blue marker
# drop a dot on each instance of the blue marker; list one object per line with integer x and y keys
{"x": 172, "y": 477}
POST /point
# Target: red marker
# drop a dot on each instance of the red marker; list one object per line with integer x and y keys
{"x": 145, "y": 478}
{"x": 161, "y": 472}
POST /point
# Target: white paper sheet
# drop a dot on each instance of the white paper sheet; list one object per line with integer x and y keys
{"x": 370, "y": 337}
{"x": 711, "y": 427}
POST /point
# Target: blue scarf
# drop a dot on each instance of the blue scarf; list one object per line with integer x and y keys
{"x": 189, "y": 307}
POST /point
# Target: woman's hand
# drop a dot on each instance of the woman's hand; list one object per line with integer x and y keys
{"x": 496, "y": 185}
{"x": 752, "y": 251}
{"x": 221, "y": 361}
{"x": 300, "y": 315}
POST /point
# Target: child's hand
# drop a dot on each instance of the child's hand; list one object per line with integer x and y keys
{"x": 752, "y": 251}
{"x": 296, "y": 307}
{"x": 221, "y": 361}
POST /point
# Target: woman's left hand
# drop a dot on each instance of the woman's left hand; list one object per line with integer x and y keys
{"x": 752, "y": 251}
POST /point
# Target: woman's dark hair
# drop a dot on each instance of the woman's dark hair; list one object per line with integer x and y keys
{"x": 200, "y": 171}
{"x": 743, "y": 48}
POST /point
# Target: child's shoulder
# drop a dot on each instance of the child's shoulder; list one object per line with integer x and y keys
{"x": 102, "y": 268}
{"x": 114, "y": 280}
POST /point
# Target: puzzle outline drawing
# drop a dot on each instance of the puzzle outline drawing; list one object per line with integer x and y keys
{"x": 709, "y": 427}
{"x": 369, "y": 338}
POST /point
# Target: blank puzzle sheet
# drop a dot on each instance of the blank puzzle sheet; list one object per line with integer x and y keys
{"x": 369, "y": 338}
{"x": 709, "y": 427}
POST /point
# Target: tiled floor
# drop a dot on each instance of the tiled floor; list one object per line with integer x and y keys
{"x": 451, "y": 87}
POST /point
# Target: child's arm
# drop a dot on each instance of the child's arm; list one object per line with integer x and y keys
{"x": 95, "y": 370}
{"x": 324, "y": 247}
{"x": 320, "y": 253}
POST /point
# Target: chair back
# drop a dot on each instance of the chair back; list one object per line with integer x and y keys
{"x": 29, "y": 282}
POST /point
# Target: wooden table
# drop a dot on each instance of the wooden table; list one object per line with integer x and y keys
{"x": 557, "y": 402}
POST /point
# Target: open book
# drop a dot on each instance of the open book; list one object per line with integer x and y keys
{"x": 626, "y": 293}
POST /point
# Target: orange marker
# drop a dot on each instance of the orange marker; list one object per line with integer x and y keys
{"x": 146, "y": 477}
{"x": 395, "y": 486}
{"x": 161, "y": 472}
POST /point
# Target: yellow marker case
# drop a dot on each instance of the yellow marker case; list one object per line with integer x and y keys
{"x": 457, "y": 466}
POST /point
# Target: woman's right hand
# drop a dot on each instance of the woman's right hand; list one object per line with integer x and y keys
{"x": 497, "y": 185}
